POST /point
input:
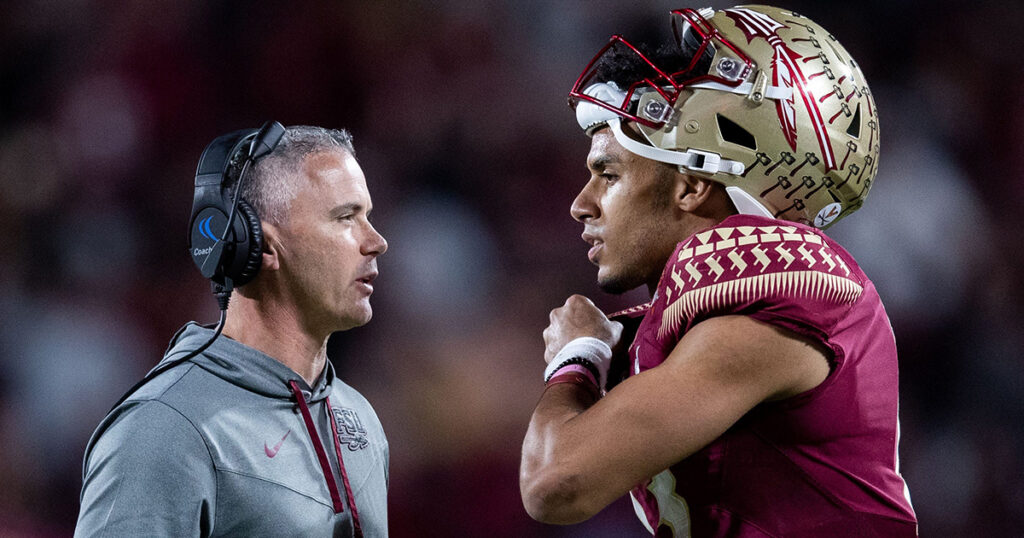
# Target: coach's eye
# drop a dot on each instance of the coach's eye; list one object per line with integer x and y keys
{"x": 609, "y": 177}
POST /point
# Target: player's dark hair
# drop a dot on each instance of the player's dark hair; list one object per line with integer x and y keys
{"x": 621, "y": 66}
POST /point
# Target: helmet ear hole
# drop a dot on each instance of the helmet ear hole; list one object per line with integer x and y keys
{"x": 731, "y": 132}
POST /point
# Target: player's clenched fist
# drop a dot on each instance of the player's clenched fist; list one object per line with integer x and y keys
{"x": 580, "y": 338}
{"x": 577, "y": 318}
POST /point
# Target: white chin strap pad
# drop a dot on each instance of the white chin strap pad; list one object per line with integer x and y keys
{"x": 747, "y": 204}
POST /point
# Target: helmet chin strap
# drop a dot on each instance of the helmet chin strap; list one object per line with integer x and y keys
{"x": 697, "y": 160}
{"x": 692, "y": 159}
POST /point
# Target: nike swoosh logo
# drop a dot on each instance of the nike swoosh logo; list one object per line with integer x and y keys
{"x": 271, "y": 452}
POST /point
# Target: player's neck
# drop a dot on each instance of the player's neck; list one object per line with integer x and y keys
{"x": 687, "y": 227}
{"x": 277, "y": 331}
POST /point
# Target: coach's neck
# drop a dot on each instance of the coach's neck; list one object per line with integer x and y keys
{"x": 265, "y": 316}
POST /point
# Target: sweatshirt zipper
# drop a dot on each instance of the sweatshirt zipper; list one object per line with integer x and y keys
{"x": 321, "y": 455}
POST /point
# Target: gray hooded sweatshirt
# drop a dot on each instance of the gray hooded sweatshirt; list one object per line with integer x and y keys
{"x": 221, "y": 445}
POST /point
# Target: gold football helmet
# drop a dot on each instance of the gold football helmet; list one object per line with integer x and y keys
{"x": 760, "y": 99}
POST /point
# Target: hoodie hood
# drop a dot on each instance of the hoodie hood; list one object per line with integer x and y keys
{"x": 244, "y": 366}
{"x": 219, "y": 420}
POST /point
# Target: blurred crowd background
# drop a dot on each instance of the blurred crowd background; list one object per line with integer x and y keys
{"x": 460, "y": 121}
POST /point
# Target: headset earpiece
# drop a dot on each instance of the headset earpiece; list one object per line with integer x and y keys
{"x": 253, "y": 255}
{"x": 220, "y": 253}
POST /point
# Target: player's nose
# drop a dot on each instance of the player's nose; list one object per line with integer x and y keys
{"x": 585, "y": 207}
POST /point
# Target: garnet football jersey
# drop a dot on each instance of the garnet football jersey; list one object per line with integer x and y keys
{"x": 822, "y": 463}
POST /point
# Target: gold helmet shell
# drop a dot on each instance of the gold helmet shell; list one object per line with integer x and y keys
{"x": 764, "y": 101}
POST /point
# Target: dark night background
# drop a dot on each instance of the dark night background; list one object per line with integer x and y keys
{"x": 472, "y": 157}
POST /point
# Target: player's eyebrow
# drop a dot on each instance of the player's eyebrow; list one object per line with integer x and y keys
{"x": 345, "y": 209}
{"x": 600, "y": 162}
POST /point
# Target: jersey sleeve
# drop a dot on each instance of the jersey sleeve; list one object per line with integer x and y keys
{"x": 787, "y": 276}
{"x": 149, "y": 474}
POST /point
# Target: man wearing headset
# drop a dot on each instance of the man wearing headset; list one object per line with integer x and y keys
{"x": 251, "y": 433}
{"x": 762, "y": 393}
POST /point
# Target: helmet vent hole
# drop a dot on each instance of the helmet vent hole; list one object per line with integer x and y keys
{"x": 733, "y": 133}
{"x": 854, "y": 128}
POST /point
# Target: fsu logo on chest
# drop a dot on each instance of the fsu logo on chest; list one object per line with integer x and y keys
{"x": 351, "y": 432}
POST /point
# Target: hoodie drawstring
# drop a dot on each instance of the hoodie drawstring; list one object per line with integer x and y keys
{"x": 321, "y": 455}
{"x": 344, "y": 475}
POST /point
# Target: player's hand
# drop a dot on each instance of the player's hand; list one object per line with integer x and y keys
{"x": 578, "y": 317}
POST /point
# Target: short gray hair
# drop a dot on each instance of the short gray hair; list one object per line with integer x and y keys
{"x": 270, "y": 184}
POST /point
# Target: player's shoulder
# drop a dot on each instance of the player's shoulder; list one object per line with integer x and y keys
{"x": 747, "y": 261}
{"x": 748, "y": 246}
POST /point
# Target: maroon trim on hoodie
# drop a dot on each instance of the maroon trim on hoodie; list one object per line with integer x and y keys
{"x": 321, "y": 455}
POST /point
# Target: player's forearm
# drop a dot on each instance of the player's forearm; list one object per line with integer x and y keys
{"x": 551, "y": 485}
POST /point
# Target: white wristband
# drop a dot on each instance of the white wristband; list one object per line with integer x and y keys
{"x": 588, "y": 348}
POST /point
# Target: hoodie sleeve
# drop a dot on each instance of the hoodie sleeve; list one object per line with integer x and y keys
{"x": 149, "y": 474}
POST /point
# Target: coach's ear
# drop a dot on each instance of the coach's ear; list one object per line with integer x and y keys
{"x": 271, "y": 247}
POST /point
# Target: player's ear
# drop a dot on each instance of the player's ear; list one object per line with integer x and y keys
{"x": 271, "y": 247}
{"x": 692, "y": 192}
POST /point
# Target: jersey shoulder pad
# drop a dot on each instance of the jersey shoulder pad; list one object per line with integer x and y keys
{"x": 792, "y": 270}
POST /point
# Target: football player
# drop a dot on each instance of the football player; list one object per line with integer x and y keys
{"x": 761, "y": 388}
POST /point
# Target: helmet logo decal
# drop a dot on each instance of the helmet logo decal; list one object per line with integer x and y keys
{"x": 786, "y": 72}
{"x": 828, "y": 214}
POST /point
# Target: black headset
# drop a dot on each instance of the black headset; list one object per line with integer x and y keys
{"x": 227, "y": 255}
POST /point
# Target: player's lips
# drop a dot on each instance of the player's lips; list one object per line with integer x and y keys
{"x": 596, "y": 245}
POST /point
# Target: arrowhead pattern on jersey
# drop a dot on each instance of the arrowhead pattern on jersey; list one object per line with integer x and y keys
{"x": 678, "y": 279}
{"x": 695, "y": 275}
{"x": 784, "y": 255}
{"x": 737, "y": 261}
{"x": 826, "y": 258}
{"x": 715, "y": 267}
{"x": 806, "y": 255}
{"x": 762, "y": 257}
{"x": 816, "y": 271}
